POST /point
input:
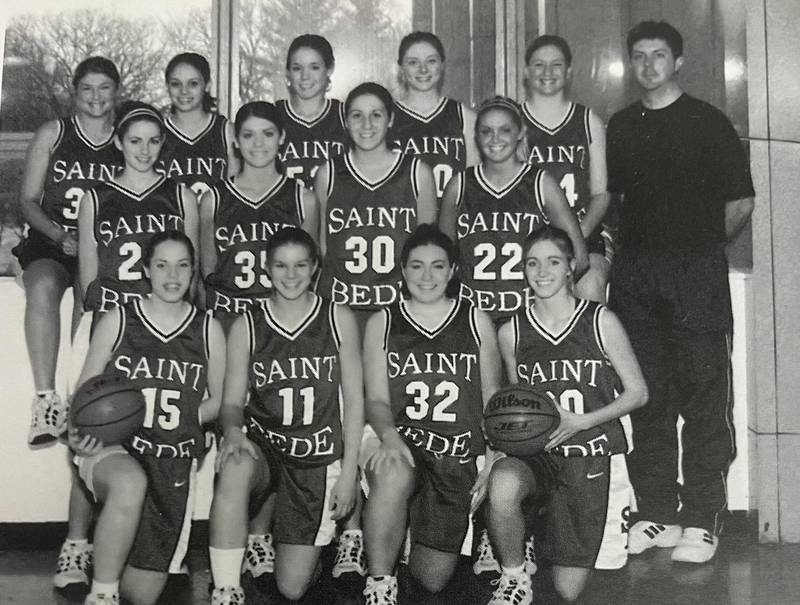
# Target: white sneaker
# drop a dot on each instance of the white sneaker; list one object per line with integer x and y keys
{"x": 696, "y": 545}
{"x": 227, "y": 595}
{"x": 350, "y": 556}
{"x": 73, "y": 565}
{"x": 101, "y": 599}
{"x": 259, "y": 558}
{"x": 647, "y": 534}
{"x": 530, "y": 558}
{"x": 381, "y": 592}
{"x": 484, "y": 558}
{"x": 48, "y": 419}
{"x": 512, "y": 590}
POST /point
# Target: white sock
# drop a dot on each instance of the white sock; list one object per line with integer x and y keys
{"x": 226, "y": 566}
{"x": 350, "y": 532}
{"x": 78, "y": 542}
{"x": 513, "y": 571}
{"x": 45, "y": 392}
{"x": 107, "y": 589}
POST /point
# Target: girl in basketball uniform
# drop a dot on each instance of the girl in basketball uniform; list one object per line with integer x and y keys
{"x": 492, "y": 207}
{"x": 439, "y": 130}
{"x": 174, "y": 353}
{"x": 198, "y": 148}
{"x": 65, "y": 158}
{"x": 569, "y": 141}
{"x": 240, "y": 214}
{"x": 314, "y": 123}
{"x": 430, "y": 362}
{"x": 576, "y": 352}
{"x": 298, "y": 357}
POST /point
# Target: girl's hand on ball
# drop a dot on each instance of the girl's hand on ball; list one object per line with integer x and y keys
{"x": 571, "y": 423}
{"x": 83, "y": 445}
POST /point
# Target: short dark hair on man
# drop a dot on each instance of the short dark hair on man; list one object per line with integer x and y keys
{"x": 656, "y": 30}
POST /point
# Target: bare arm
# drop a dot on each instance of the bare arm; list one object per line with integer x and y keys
{"x": 598, "y": 177}
{"x": 737, "y": 212}
{"x": 448, "y": 214}
{"x": 234, "y": 164}
{"x": 426, "y": 195}
{"x": 311, "y": 213}
{"x": 489, "y": 356}
{"x": 473, "y": 157}
{"x": 561, "y": 215}
{"x": 321, "y": 183}
{"x": 505, "y": 337}
{"x": 87, "y": 245}
{"x": 208, "y": 249}
{"x": 209, "y": 408}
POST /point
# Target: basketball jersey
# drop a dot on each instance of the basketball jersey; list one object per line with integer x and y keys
{"x": 563, "y": 151}
{"x": 197, "y": 162}
{"x": 436, "y": 138}
{"x": 242, "y": 228}
{"x": 435, "y": 380}
{"x": 310, "y": 143}
{"x": 124, "y": 222}
{"x": 572, "y": 367}
{"x": 76, "y": 165}
{"x": 295, "y": 394}
{"x": 491, "y": 226}
{"x": 366, "y": 225}
{"x": 171, "y": 369}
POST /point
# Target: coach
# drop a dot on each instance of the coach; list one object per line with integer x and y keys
{"x": 685, "y": 188}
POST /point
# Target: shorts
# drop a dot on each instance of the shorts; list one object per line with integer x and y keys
{"x": 86, "y": 464}
{"x": 586, "y": 512}
{"x": 302, "y": 500}
{"x": 226, "y": 320}
{"x": 37, "y": 246}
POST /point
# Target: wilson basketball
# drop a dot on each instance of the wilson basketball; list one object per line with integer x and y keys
{"x": 519, "y": 420}
{"x": 108, "y": 408}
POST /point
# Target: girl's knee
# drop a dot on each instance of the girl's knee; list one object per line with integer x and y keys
{"x": 293, "y": 588}
{"x": 506, "y": 485}
{"x": 396, "y": 478}
{"x": 570, "y": 582}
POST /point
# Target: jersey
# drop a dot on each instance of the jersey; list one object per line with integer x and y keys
{"x": 242, "y": 228}
{"x": 436, "y": 138}
{"x": 310, "y": 143}
{"x": 124, "y": 222}
{"x": 171, "y": 369}
{"x": 563, "y": 151}
{"x": 435, "y": 380}
{"x": 491, "y": 226}
{"x": 572, "y": 367}
{"x": 366, "y": 225}
{"x": 295, "y": 377}
{"x": 76, "y": 165}
{"x": 197, "y": 162}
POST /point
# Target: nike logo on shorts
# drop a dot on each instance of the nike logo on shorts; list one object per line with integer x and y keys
{"x": 182, "y": 483}
{"x": 594, "y": 475}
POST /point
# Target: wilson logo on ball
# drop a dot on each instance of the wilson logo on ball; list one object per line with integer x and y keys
{"x": 519, "y": 420}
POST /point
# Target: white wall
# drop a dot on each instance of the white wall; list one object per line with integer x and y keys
{"x": 35, "y": 483}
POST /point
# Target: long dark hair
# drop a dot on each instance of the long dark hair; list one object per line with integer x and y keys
{"x": 200, "y": 63}
{"x": 430, "y": 235}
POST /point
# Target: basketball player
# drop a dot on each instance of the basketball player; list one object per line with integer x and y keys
{"x": 427, "y": 125}
{"x": 576, "y": 352}
{"x": 240, "y": 214}
{"x": 490, "y": 208}
{"x": 314, "y": 123}
{"x": 569, "y": 141}
{"x": 65, "y": 158}
{"x": 298, "y": 356}
{"x": 174, "y": 353}
{"x": 198, "y": 148}
{"x": 430, "y": 363}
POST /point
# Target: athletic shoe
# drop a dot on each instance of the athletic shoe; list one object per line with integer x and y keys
{"x": 259, "y": 558}
{"x": 484, "y": 560}
{"x": 696, "y": 545}
{"x": 74, "y": 562}
{"x": 512, "y": 590}
{"x": 227, "y": 596}
{"x": 647, "y": 534}
{"x": 350, "y": 556}
{"x": 101, "y": 599}
{"x": 530, "y": 558}
{"x": 381, "y": 592}
{"x": 48, "y": 419}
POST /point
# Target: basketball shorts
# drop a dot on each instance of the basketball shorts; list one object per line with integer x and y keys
{"x": 37, "y": 246}
{"x": 87, "y": 464}
{"x": 302, "y": 499}
{"x": 586, "y": 513}
{"x": 226, "y": 319}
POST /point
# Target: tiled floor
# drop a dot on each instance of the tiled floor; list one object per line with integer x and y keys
{"x": 743, "y": 573}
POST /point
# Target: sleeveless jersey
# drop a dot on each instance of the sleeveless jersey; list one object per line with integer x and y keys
{"x": 242, "y": 228}
{"x": 491, "y": 227}
{"x": 435, "y": 380}
{"x": 573, "y": 368}
{"x": 76, "y": 165}
{"x": 563, "y": 152}
{"x": 295, "y": 394}
{"x": 436, "y": 138}
{"x": 171, "y": 369}
{"x": 366, "y": 225}
{"x": 124, "y": 222}
{"x": 197, "y": 162}
{"x": 310, "y": 143}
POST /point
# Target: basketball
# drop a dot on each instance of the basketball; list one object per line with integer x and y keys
{"x": 519, "y": 420}
{"x": 108, "y": 408}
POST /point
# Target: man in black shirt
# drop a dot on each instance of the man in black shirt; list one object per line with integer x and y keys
{"x": 685, "y": 188}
